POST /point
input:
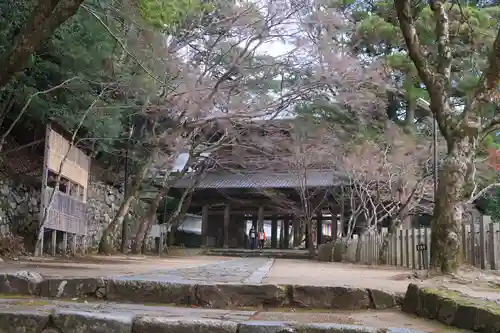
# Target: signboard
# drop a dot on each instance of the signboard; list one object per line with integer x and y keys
{"x": 421, "y": 247}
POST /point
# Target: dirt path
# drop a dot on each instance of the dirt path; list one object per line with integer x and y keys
{"x": 473, "y": 282}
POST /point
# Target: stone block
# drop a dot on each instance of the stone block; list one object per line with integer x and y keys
{"x": 341, "y": 298}
{"x": 143, "y": 291}
{"x": 487, "y": 320}
{"x": 21, "y": 283}
{"x": 240, "y": 295}
{"x": 453, "y": 308}
{"x": 255, "y": 326}
{"x": 325, "y": 252}
{"x": 411, "y": 302}
{"x": 72, "y": 321}
{"x": 465, "y": 316}
{"x": 72, "y": 287}
{"x": 23, "y": 321}
{"x": 429, "y": 304}
{"x": 382, "y": 299}
{"x": 148, "y": 324}
{"x": 333, "y": 328}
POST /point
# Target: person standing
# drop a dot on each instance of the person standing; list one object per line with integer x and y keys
{"x": 253, "y": 238}
{"x": 262, "y": 238}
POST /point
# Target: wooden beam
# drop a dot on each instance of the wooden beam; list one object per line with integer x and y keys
{"x": 227, "y": 219}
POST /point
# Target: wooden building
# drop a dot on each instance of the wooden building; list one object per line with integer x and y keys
{"x": 256, "y": 178}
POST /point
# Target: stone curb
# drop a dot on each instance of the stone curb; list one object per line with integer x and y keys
{"x": 453, "y": 308}
{"x": 216, "y": 295}
{"x": 250, "y": 254}
{"x": 64, "y": 321}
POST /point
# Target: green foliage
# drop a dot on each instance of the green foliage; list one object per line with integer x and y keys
{"x": 472, "y": 27}
{"x": 492, "y": 205}
{"x": 170, "y": 14}
{"x": 84, "y": 48}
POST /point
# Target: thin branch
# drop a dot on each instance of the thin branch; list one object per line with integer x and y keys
{"x": 115, "y": 37}
{"x": 27, "y": 104}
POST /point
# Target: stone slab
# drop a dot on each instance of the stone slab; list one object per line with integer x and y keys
{"x": 23, "y": 320}
{"x": 211, "y": 295}
{"x": 241, "y": 295}
{"x": 320, "y": 297}
{"x": 148, "y": 324}
{"x": 33, "y": 315}
{"x": 75, "y": 321}
{"x": 143, "y": 291}
{"x": 71, "y": 287}
{"x": 453, "y": 308}
{"x": 21, "y": 282}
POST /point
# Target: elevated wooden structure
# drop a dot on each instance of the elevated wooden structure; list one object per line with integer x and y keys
{"x": 65, "y": 204}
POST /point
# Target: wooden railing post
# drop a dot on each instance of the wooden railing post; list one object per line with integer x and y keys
{"x": 485, "y": 220}
{"x": 493, "y": 245}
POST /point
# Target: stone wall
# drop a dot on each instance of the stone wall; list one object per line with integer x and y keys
{"x": 20, "y": 209}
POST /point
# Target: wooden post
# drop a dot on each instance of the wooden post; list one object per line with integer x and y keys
{"x": 296, "y": 231}
{"x": 395, "y": 248}
{"x": 428, "y": 246}
{"x": 73, "y": 244}
{"x": 204, "y": 225}
{"x": 286, "y": 232}
{"x": 274, "y": 232}
{"x": 227, "y": 218}
{"x": 84, "y": 244}
{"x": 473, "y": 241}
{"x": 407, "y": 247}
{"x": 65, "y": 243}
{"x": 160, "y": 243}
{"x": 54, "y": 243}
{"x": 281, "y": 235}
{"x": 401, "y": 247}
{"x": 482, "y": 240}
{"x": 414, "y": 248}
{"x": 42, "y": 235}
{"x": 254, "y": 221}
{"x": 492, "y": 242}
{"x": 319, "y": 229}
{"x": 260, "y": 218}
{"x": 334, "y": 221}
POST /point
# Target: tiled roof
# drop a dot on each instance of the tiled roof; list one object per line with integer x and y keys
{"x": 313, "y": 178}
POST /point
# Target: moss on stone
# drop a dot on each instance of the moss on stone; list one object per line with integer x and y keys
{"x": 464, "y": 300}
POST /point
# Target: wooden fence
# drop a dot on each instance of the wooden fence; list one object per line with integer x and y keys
{"x": 480, "y": 243}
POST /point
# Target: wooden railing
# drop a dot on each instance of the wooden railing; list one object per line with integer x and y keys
{"x": 410, "y": 248}
{"x": 66, "y": 213}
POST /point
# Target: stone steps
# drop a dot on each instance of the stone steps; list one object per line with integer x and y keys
{"x": 259, "y": 253}
{"x": 447, "y": 306}
{"x": 46, "y": 316}
{"x": 191, "y": 293}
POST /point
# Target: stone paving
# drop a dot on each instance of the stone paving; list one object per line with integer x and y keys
{"x": 244, "y": 270}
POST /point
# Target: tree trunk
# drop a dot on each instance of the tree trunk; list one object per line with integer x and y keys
{"x": 449, "y": 207}
{"x": 382, "y": 253}
{"x": 46, "y": 18}
{"x": 145, "y": 224}
{"x": 105, "y": 245}
{"x": 310, "y": 239}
